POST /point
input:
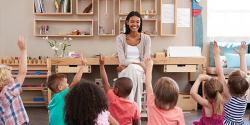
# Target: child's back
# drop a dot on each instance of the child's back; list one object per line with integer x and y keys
{"x": 123, "y": 110}
{"x": 161, "y": 105}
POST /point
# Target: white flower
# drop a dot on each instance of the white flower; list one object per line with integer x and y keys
{"x": 70, "y": 38}
{"x": 60, "y": 43}
{"x": 54, "y": 48}
{"x": 65, "y": 38}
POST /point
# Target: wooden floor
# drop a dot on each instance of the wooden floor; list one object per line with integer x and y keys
{"x": 39, "y": 116}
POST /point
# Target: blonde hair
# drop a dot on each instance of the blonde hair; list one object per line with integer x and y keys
{"x": 213, "y": 89}
{"x": 166, "y": 93}
{"x": 4, "y": 75}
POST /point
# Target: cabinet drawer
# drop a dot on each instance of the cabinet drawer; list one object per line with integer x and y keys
{"x": 186, "y": 102}
{"x": 180, "y": 68}
{"x": 72, "y": 69}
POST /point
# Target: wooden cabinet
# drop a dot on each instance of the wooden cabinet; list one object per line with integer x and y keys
{"x": 35, "y": 92}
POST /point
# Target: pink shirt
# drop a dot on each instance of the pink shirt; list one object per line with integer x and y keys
{"x": 123, "y": 110}
{"x": 158, "y": 116}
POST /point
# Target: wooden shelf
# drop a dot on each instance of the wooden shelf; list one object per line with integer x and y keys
{"x": 34, "y": 102}
{"x": 168, "y": 29}
{"x": 34, "y": 76}
{"x": 33, "y": 88}
{"x": 106, "y": 18}
{"x": 126, "y": 6}
{"x": 148, "y": 7}
{"x": 81, "y": 5}
{"x": 49, "y": 8}
{"x": 63, "y": 27}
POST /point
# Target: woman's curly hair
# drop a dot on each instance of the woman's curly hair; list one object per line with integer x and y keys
{"x": 83, "y": 104}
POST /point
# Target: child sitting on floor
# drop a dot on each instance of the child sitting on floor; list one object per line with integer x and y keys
{"x": 58, "y": 84}
{"x": 212, "y": 111}
{"x": 235, "y": 89}
{"x": 161, "y": 105}
{"x": 12, "y": 111}
{"x": 86, "y": 104}
{"x": 123, "y": 110}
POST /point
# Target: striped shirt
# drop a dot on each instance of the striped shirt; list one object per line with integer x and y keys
{"x": 12, "y": 111}
{"x": 234, "y": 111}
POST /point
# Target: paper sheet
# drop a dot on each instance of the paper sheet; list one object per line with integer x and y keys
{"x": 183, "y": 17}
{"x": 167, "y": 15}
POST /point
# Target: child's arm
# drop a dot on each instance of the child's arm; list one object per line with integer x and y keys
{"x": 113, "y": 121}
{"x": 22, "y": 60}
{"x": 219, "y": 70}
{"x": 103, "y": 74}
{"x": 149, "y": 67}
{"x": 194, "y": 90}
{"x": 78, "y": 75}
{"x": 242, "y": 52}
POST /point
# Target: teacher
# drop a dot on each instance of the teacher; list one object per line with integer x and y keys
{"x": 132, "y": 47}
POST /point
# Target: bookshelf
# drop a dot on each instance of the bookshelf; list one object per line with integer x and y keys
{"x": 63, "y": 27}
{"x": 35, "y": 92}
{"x": 52, "y": 7}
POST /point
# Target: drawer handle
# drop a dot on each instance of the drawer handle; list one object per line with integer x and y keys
{"x": 72, "y": 65}
{"x": 181, "y": 65}
{"x": 186, "y": 97}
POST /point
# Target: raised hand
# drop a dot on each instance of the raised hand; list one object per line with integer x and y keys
{"x": 101, "y": 60}
{"x": 21, "y": 43}
{"x": 83, "y": 61}
{"x": 216, "y": 48}
{"x": 243, "y": 47}
{"x": 204, "y": 77}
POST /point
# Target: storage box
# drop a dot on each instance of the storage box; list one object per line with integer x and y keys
{"x": 180, "y": 68}
{"x": 184, "y": 51}
{"x": 186, "y": 102}
{"x": 72, "y": 69}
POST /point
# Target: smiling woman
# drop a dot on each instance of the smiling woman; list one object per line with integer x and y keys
{"x": 132, "y": 47}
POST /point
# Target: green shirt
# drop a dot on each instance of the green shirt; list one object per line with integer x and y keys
{"x": 56, "y": 108}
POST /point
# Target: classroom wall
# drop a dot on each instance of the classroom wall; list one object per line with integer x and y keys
{"x": 16, "y": 17}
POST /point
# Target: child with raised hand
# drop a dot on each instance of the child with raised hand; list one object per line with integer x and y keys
{"x": 12, "y": 111}
{"x": 123, "y": 110}
{"x": 58, "y": 84}
{"x": 235, "y": 89}
{"x": 86, "y": 104}
{"x": 161, "y": 104}
{"x": 212, "y": 104}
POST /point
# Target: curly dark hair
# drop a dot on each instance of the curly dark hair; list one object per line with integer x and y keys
{"x": 133, "y": 13}
{"x": 83, "y": 104}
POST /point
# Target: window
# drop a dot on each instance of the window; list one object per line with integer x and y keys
{"x": 228, "y": 18}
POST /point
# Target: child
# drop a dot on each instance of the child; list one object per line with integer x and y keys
{"x": 212, "y": 111}
{"x": 86, "y": 104}
{"x": 161, "y": 104}
{"x": 57, "y": 83}
{"x": 12, "y": 111}
{"x": 123, "y": 110}
{"x": 235, "y": 91}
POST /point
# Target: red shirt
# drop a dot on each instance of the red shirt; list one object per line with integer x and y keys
{"x": 123, "y": 110}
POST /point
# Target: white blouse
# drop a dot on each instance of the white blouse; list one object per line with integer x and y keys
{"x": 133, "y": 55}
